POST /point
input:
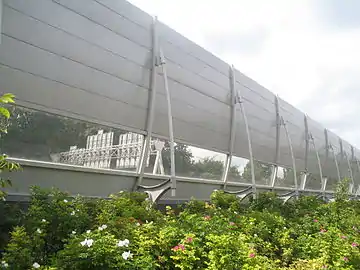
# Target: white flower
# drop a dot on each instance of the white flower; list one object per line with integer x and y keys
{"x": 73, "y": 232}
{"x": 4, "y": 264}
{"x": 87, "y": 242}
{"x": 72, "y": 213}
{"x": 126, "y": 255}
{"x": 36, "y": 265}
{"x": 38, "y": 231}
{"x": 88, "y": 231}
{"x": 43, "y": 220}
{"x": 138, "y": 224}
{"x": 255, "y": 235}
{"x": 123, "y": 243}
{"x": 65, "y": 201}
{"x": 90, "y": 242}
{"x": 102, "y": 227}
{"x": 235, "y": 212}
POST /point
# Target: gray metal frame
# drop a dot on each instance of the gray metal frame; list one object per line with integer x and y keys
{"x": 114, "y": 49}
{"x": 152, "y": 105}
{"x": 233, "y": 102}
{"x": 170, "y": 122}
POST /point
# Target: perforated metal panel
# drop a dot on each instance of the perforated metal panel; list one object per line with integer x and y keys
{"x": 91, "y": 60}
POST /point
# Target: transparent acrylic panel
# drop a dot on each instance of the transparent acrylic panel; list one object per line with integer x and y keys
{"x": 344, "y": 167}
{"x": 356, "y": 173}
{"x": 313, "y": 180}
{"x": 262, "y": 172}
{"x": 331, "y": 183}
{"x": 285, "y": 178}
{"x": 330, "y": 172}
{"x": 41, "y": 136}
{"x": 237, "y": 168}
{"x": 158, "y": 161}
{"x": 197, "y": 162}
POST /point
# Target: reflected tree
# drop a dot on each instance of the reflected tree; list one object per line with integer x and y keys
{"x": 262, "y": 172}
{"x": 33, "y": 134}
{"x": 185, "y": 164}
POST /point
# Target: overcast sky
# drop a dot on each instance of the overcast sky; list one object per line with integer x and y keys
{"x": 306, "y": 51}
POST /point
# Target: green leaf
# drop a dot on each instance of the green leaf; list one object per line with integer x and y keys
{"x": 5, "y": 112}
{"x": 7, "y": 98}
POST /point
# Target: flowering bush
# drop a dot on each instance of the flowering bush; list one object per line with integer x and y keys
{"x": 127, "y": 232}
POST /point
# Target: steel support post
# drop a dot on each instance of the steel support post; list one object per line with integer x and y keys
{"x": 274, "y": 169}
{"x": 350, "y": 172}
{"x": 170, "y": 121}
{"x": 1, "y": 19}
{"x": 233, "y": 102}
{"x": 318, "y": 162}
{"x": 323, "y": 186}
{"x": 303, "y": 181}
{"x": 292, "y": 154}
{"x": 307, "y": 143}
{"x": 274, "y": 172}
{"x": 151, "y": 107}
{"x": 304, "y": 176}
{"x": 336, "y": 163}
{"x": 248, "y": 135}
{"x": 358, "y": 166}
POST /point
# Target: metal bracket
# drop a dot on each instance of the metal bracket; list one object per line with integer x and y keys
{"x": 242, "y": 194}
{"x": 155, "y": 192}
{"x": 325, "y": 197}
{"x": 323, "y": 184}
{"x": 304, "y": 178}
{"x": 287, "y": 196}
{"x": 159, "y": 146}
{"x": 274, "y": 172}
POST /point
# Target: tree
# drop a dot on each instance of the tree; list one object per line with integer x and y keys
{"x": 185, "y": 165}
{"x": 37, "y": 135}
{"x": 183, "y": 159}
{"x": 5, "y": 165}
{"x": 262, "y": 172}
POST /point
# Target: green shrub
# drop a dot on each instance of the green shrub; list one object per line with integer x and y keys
{"x": 61, "y": 232}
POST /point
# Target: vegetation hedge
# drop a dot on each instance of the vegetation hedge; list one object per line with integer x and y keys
{"x": 127, "y": 232}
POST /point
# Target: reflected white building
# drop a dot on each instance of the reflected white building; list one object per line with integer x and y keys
{"x": 102, "y": 152}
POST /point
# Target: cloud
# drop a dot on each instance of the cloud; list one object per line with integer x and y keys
{"x": 247, "y": 43}
{"x": 339, "y": 14}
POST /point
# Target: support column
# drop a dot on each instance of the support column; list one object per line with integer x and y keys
{"x": 170, "y": 122}
{"x": 248, "y": 135}
{"x": 292, "y": 155}
{"x": 233, "y": 102}
{"x": 304, "y": 176}
{"x": 151, "y": 108}
{"x": 351, "y": 173}
{"x": 274, "y": 169}
{"x": 319, "y": 163}
{"x": 336, "y": 163}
